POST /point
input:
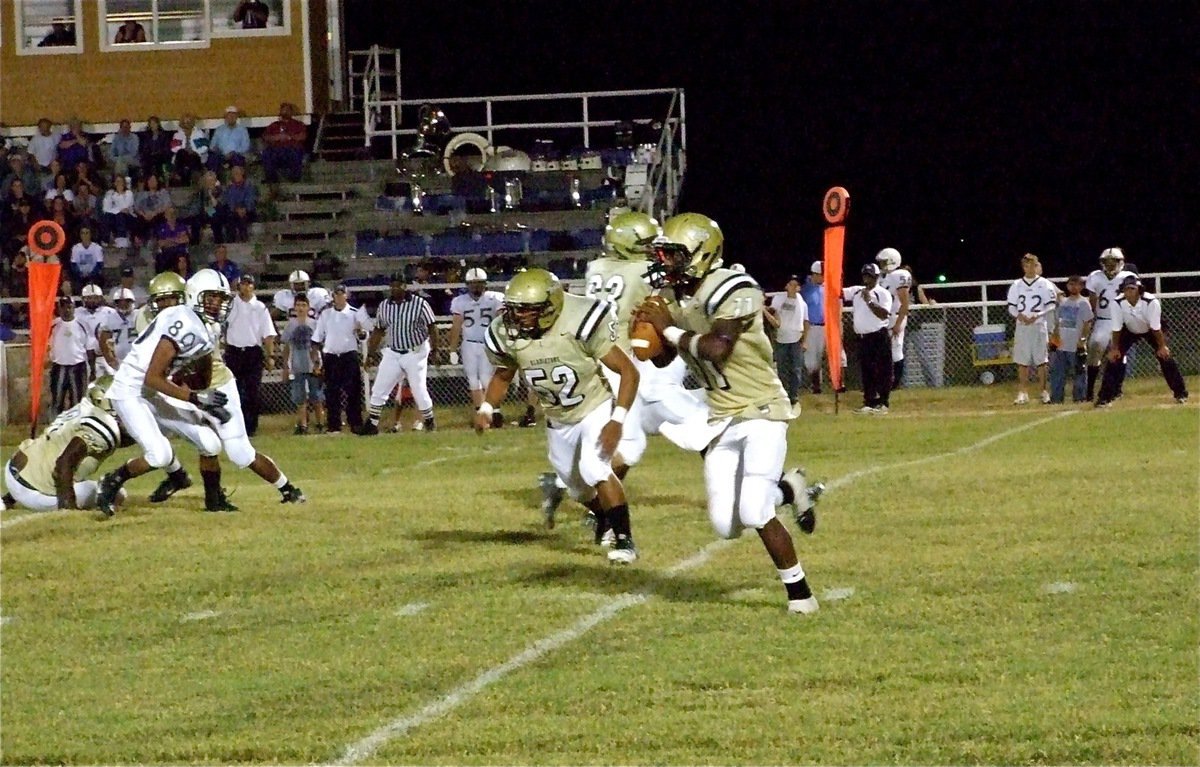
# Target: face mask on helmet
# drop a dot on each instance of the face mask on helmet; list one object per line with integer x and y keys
{"x": 669, "y": 264}
{"x": 532, "y": 303}
{"x": 1112, "y": 261}
{"x": 526, "y": 320}
{"x": 215, "y": 304}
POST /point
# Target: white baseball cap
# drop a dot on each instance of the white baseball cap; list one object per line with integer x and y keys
{"x": 816, "y": 268}
{"x": 476, "y": 275}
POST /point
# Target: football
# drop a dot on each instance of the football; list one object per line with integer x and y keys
{"x": 196, "y": 376}
{"x": 645, "y": 341}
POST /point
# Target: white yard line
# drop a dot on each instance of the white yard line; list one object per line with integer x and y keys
{"x": 365, "y": 748}
{"x": 412, "y": 608}
{"x": 202, "y": 615}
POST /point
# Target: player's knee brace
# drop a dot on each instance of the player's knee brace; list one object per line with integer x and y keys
{"x": 240, "y": 451}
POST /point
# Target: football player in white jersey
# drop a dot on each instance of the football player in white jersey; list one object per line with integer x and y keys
{"x": 209, "y": 295}
{"x": 175, "y": 339}
{"x": 116, "y": 332}
{"x": 93, "y": 316}
{"x": 53, "y": 470}
{"x": 1103, "y": 290}
{"x": 473, "y": 312}
{"x": 1032, "y": 301}
{"x": 897, "y": 281}
{"x": 285, "y": 299}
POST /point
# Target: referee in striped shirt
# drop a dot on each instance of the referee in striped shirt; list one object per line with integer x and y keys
{"x": 404, "y": 325}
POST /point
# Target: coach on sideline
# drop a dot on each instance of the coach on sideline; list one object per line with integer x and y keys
{"x": 406, "y": 320}
{"x": 248, "y": 331}
{"x": 872, "y": 307}
{"x": 338, "y": 329}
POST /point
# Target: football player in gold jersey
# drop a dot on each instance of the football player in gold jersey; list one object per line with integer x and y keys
{"x": 558, "y": 343}
{"x": 715, "y": 324}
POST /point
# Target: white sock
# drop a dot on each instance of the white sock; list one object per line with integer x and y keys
{"x": 792, "y": 574}
{"x": 281, "y": 481}
{"x": 174, "y": 466}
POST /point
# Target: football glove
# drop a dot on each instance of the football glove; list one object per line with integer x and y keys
{"x": 213, "y": 403}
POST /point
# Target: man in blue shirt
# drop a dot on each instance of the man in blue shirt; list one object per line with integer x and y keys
{"x": 230, "y": 142}
{"x": 125, "y": 150}
{"x": 240, "y": 199}
{"x": 813, "y": 293}
{"x": 222, "y": 264}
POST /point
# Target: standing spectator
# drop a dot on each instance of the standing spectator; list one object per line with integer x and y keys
{"x": 438, "y": 298}
{"x": 1069, "y": 358}
{"x": 1031, "y": 301}
{"x": 249, "y": 330}
{"x": 240, "y": 201}
{"x": 125, "y": 151}
{"x": 338, "y": 332}
{"x": 130, "y": 31}
{"x": 222, "y": 264}
{"x": 118, "y": 213}
{"x": 68, "y": 357}
{"x": 73, "y": 145}
{"x": 190, "y": 147}
{"x": 252, "y": 14}
{"x": 284, "y": 149}
{"x": 129, "y": 282}
{"x": 1137, "y": 316}
{"x": 173, "y": 239}
{"x": 872, "y": 305}
{"x": 788, "y": 313}
{"x": 408, "y": 322}
{"x": 17, "y": 282}
{"x": 230, "y": 143}
{"x": 813, "y": 293}
{"x": 154, "y": 146}
{"x": 302, "y": 367}
{"x": 44, "y": 144}
{"x": 149, "y": 206}
{"x": 87, "y": 260}
{"x": 898, "y": 282}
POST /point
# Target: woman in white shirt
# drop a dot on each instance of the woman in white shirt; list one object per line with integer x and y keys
{"x": 118, "y": 212}
{"x": 60, "y": 189}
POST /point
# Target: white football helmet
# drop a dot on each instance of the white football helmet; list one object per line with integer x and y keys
{"x": 888, "y": 260}
{"x": 476, "y": 275}
{"x": 123, "y": 294}
{"x": 299, "y": 281}
{"x": 92, "y": 291}
{"x": 1112, "y": 260}
{"x": 209, "y": 294}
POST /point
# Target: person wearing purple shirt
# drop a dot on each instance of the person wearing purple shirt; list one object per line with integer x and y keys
{"x": 222, "y": 264}
{"x": 73, "y": 145}
{"x": 173, "y": 239}
{"x": 240, "y": 199}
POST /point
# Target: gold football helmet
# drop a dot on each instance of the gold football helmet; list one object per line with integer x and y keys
{"x": 97, "y": 394}
{"x": 167, "y": 285}
{"x": 690, "y": 247}
{"x": 630, "y": 235}
{"x": 533, "y": 301}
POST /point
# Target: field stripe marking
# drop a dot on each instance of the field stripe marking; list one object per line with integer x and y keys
{"x": 201, "y": 615}
{"x": 366, "y": 747}
{"x": 29, "y": 517}
{"x": 837, "y": 594}
{"x": 412, "y": 608}
{"x": 1061, "y": 587}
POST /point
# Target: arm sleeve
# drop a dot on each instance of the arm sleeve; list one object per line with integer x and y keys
{"x": 268, "y": 326}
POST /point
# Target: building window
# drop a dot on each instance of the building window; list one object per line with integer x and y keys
{"x": 48, "y": 26}
{"x": 152, "y": 24}
{"x": 249, "y": 18}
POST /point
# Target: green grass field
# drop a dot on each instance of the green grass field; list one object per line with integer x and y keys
{"x": 998, "y": 585}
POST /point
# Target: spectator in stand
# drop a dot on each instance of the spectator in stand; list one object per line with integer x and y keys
{"x": 130, "y": 32}
{"x": 60, "y": 213}
{"x": 73, "y": 145}
{"x": 43, "y": 147}
{"x": 87, "y": 260}
{"x": 183, "y": 265}
{"x": 48, "y": 178}
{"x": 284, "y": 151}
{"x": 252, "y": 14}
{"x": 86, "y": 208}
{"x": 17, "y": 282}
{"x": 125, "y": 151}
{"x": 18, "y": 168}
{"x": 15, "y": 194}
{"x": 129, "y": 282}
{"x": 149, "y": 205}
{"x": 249, "y": 330}
{"x": 118, "y": 213}
{"x": 68, "y": 357}
{"x": 60, "y": 35}
{"x": 15, "y": 220}
{"x": 154, "y": 146}
{"x": 61, "y": 188}
{"x": 222, "y": 264}
{"x": 439, "y": 299}
{"x": 190, "y": 147}
{"x": 207, "y": 209}
{"x": 173, "y": 240}
{"x": 240, "y": 202}
{"x": 230, "y": 143}
{"x": 85, "y": 175}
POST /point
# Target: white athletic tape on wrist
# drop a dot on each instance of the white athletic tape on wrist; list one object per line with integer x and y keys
{"x": 672, "y": 335}
{"x": 618, "y": 414}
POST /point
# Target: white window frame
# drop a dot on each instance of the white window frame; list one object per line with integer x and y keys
{"x": 108, "y": 46}
{"x": 237, "y": 32}
{"x": 53, "y": 50}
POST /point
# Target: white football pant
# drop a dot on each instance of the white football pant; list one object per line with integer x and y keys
{"x": 395, "y": 368}
{"x": 28, "y": 498}
{"x": 137, "y": 416}
{"x": 741, "y": 473}
{"x": 897, "y": 340}
{"x": 574, "y": 451}
{"x": 476, "y": 366}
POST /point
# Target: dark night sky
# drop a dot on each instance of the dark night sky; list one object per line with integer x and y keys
{"x": 1052, "y": 127}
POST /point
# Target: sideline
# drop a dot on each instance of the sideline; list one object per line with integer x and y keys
{"x": 365, "y": 748}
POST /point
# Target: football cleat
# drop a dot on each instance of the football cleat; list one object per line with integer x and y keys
{"x": 368, "y": 430}
{"x": 107, "y": 492}
{"x": 623, "y": 552}
{"x": 803, "y": 606}
{"x": 527, "y": 420}
{"x": 1045, "y": 397}
{"x": 169, "y": 487}
{"x": 430, "y": 425}
{"x": 497, "y": 420}
{"x": 1022, "y": 399}
{"x": 289, "y": 493}
{"x": 804, "y": 499}
{"x": 606, "y": 539}
{"x": 219, "y": 503}
{"x": 552, "y": 497}
{"x": 1181, "y": 400}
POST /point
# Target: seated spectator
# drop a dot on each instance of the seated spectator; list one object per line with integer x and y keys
{"x": 173, "y": 239}
{"x": 284, "y": 149}
{"x": 206, "y": 209}
{"x": 118, "y": 213}
{"x": 240, "y": 201}
{"x": 49, "y": 177}
{"x": 62, "y": 188}
{"x": 60, "y": 212}
{"x": 190, "y": 147}
{"x": 85, "y": 175}
{"x": 60, "y": 34}
{"x": 230, "y": 143}
{"x": 18, "y": 168}
{"x": 154, "y": 147}
{"x": 222, "y": 264}
{"x": 17, "y": 282}
{"x": 129, "y": 282}
{"x": 130, "y": 32}
{"x": 15, "y": 221}
{"x": 149, "y": 205}
{"x": 183, "y": 265}
{"x": 44, "y": 145}
{"x": 73, "y": 145}
{"x": 87, "y": 260}
{"x": 251, "y": 14}
{"x": 125, "y": 151}
{"x": 86, "y": 208}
